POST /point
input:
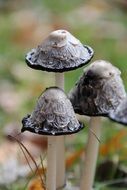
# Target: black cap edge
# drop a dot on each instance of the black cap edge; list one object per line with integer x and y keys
{"x": 53, "y": 133}
{"x": 39, "y": 67}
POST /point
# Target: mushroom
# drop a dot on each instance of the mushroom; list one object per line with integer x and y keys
{"x": 120, "y": 113}
{"x": 58, "y": 53}
{"x": 99, "y": 91}
{"x": 53, "y": 115}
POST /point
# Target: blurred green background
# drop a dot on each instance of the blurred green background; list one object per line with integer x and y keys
{"x": 24, "y": 24}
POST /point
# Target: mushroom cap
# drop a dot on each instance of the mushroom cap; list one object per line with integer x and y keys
{"x": 99, "y": 90}
{"x": 59, "y": 52}
{"x": 52, "y": 115}
{"x": 120, "y": 114}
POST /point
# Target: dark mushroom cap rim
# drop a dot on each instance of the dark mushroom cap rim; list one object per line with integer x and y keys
{"x": 115, "y": 119}
{"x": 118, "y": 121}
{"x": 44, "y": 68}
{"x": 53, "y": 132}
{"x": 97, "y": 114}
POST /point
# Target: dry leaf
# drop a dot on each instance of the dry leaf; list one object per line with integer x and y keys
{"x": 114, "y": 144}
{"x": 35, "y": 184}
{"x": 73, "y": 157}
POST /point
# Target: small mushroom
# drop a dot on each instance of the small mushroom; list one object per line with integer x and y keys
{"x": 120, "y": 114}
{"x": 59, "y": 52}
{"x": 53, "y": 115}
{"x": 99, "y": 91}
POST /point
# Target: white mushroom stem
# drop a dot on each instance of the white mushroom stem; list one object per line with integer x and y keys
{"x": 51, "y": 160}
{"x": 60, "y": 169}
{"x": 56, "y": 153}
{"x": 59, "y": 80}
{"x": 91, "y": 154}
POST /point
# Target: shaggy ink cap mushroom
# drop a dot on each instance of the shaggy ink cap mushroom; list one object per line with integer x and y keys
{"x": 99, "y": 90}
{"x": 52, "y": 115}
{"x": 120, "y": 114}
{"x": 59, "y": 52}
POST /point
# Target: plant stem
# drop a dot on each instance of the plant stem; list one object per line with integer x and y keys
{"x": 60, "y": 168}
{"x": 91, "y": 154}
{"x": 51, "y": 160}
{"x": 59, "y": 80}
{"x": 56, "y": 153}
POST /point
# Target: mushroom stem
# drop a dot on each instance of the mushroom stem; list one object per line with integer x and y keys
{"x": 60, "y": 169}
{"x": 51, "y": 159}
{"x": 59, "y": 80}
{"x": 91, "y": 154}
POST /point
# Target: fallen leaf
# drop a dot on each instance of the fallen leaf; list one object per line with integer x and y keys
{"x": 74, "y": 157}
{"x": 35, "y": 184}
{"x": 114, "y": 144}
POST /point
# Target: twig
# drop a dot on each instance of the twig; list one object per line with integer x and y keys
{"x": 37, "y": 169}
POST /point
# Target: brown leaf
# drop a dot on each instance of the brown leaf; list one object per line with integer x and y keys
{"x": 35, "y": 184}
{"x": 73, "y": 157}
{"x": 114, "y": 144}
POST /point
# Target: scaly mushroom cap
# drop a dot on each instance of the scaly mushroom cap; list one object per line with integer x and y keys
{"x": 99, "y": 90}
{"x": 59, "y": 52}
{"x": 120, "y": 114}
{"x": 53, "y": 115}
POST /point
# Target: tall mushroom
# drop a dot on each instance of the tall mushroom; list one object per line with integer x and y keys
{"x": 58, "y": 53}
{"x": 98, "y": 91}
{"x": 120, "y": 114}
{"x": 53, "y": 115}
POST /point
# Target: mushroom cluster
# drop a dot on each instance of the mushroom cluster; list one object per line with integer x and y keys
{"x": 98, "y": 92}
{"x": 53, "y": 114}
